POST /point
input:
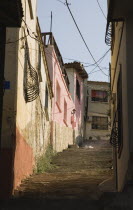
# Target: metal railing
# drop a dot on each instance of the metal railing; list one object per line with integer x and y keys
{"x": 114, "y": 141}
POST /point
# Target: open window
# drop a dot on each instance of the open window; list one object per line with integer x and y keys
{"x": 46, "y": 97}
{"x": 65, "y": 112}
{"x": 30, "y": 9}
{"x": 39, "y": 64}
{"x": 58, "y": 96}
{"x": 78, "y": 89}
{"x": 46, "y": 102}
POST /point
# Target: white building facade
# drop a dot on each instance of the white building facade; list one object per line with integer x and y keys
{"x": 98, "y": 113}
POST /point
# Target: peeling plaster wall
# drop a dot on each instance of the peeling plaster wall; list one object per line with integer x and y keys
{"x": 62, "y": 136}
{"x": 26, "y": 126}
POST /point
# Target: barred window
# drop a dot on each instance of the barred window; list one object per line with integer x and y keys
{"x": 100, "y": 123}
{"x": 99, "y": 95}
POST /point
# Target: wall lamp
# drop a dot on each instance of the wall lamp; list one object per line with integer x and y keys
{"x": 73, "y": 111}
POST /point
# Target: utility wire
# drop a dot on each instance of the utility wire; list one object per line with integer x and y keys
{"x": 89, "y": 64}
{"x": 96, "y": 66}
{"x": 99, "y": 59}
{"x": 83, "y": 38}
{"x": 92, "y": 71}
{"x": 101, "y": 9}
{"x": 62, "y": 2}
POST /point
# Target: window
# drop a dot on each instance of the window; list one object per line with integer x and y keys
{"x": 99, "y": 95}
{"x": 65, "y": 111}
{"x": 100, "y": 123}
{"x": 46, "y": 103}
{"x": 39, "y": 64}
{"x": 58, "y": 96}
{"x": 31, "y": 10}
{"x": 78, "y": 89}
{"x": 46, "y": 97}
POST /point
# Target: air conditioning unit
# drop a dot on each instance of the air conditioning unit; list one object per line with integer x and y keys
{"x": 89, "y": 118}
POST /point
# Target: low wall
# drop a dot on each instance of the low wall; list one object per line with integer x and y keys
{"x": 62, "y": 137}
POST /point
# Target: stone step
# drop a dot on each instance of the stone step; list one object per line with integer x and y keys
{"x": 73, "y": 146}
{"x": 117, "y": 201}
{"x": 48, "y": 204}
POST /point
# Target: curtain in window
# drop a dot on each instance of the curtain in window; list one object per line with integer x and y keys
{"x": 98, "y": 95}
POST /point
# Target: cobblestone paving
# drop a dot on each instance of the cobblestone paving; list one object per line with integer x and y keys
{"x": 72, "y": 184}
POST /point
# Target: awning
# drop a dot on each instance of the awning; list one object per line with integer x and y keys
{"x": 11, "y": 13}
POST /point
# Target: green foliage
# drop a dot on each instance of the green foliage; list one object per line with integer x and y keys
{"x": 44, "y": 161}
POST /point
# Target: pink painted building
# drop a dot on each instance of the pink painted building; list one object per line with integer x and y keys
{"x": 68, "y": 101}
{"x": 78, "y": 90}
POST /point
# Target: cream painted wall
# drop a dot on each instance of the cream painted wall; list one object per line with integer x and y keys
{"x": 97, "y": 109}
{"x": 122, "y": 161}
{"x": 26, "y": 125}
{"x": 29, "y": 118}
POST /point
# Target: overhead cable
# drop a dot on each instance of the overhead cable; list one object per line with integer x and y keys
{"x": 83, "y": 38}
{"x": 101, "y": 9}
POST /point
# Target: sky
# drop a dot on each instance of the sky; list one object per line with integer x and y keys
{"x": 92, "y": 25}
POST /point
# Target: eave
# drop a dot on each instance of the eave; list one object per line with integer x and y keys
{"x": 79, "y": 68}
{"x": 11, "y": 13}
{"x": 119, "y": 9}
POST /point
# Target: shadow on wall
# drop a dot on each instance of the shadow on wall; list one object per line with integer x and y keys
{"x": 7, "y": 152}
{"x": 79, "y": 140}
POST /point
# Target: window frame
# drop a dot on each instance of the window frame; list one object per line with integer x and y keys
{"x": 78, "y": 92}
{"x": 102, "y": 100}
{"x": 46, "y": 97}
{"x": 65, "y": 112}
{"x": 95, "y": 126}
{"x": 30, "y": 9}
{"x": 58, "y": 95}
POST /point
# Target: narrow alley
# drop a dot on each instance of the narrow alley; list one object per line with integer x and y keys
{"x": 73, "y": 183}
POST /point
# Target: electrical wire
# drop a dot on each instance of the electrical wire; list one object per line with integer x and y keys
{"x": 89, "y": 64}
{"x": 96, "y": 66}
{"x": 12, "y": 42}
{"x": 83, "y": 38}
{"x": 99, "y": 59}
{"x": 101, "y": 9}
{"x": 61, "y": 2}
